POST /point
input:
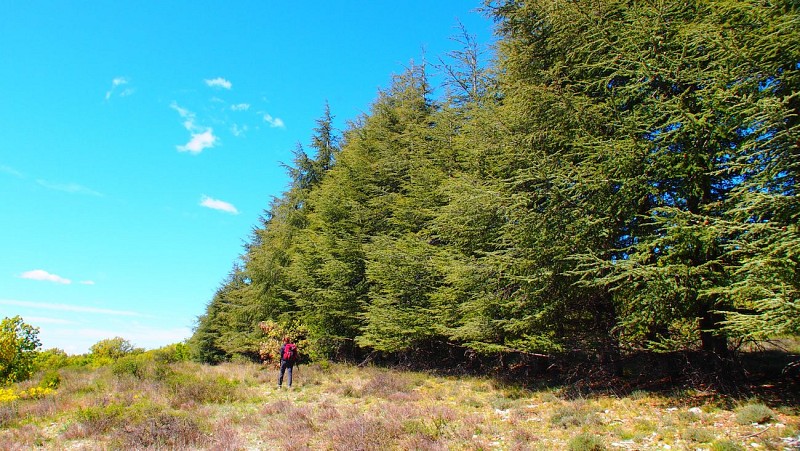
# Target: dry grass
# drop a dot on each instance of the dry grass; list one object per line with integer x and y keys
{"x": 338, "y": 407}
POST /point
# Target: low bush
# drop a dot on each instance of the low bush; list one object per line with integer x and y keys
{"x": 9, "y": 412}
{"x": 698, "y": 435}
{"x": 576, "y": 414}
{"x": 726, "y": 445}
{"x": 101, "y": 419}
{"x": 161, "y": 429}
{"x": 754, "y": 413}
{"x": 50, "y": 379}
{"x": 187, "y": 389}
{"x": 362, "y": 433}
{"x": 586, "y": 442}
{"x": 385, "y": 383}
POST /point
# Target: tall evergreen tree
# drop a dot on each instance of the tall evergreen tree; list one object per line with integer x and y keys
{"x": 655, "y": 93}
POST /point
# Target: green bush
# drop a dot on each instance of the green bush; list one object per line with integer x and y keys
{"x": 52, "y": 359}
{"x": 161, "y": 429}
{"x": 51, "y": 379}
{"x": 189, "y": 388}
{"x": 178, "y": 352}
{"x": 19, "y": 343}
{"x": 131, "y": 365}
{"x": 101, "y": 419}
{"x": 573, "y": 415}
{"x": 698, "y": 435}
{"x": 726, "y": 445}
{"x": 113, "y": 348}
{"x": 754, "y": 413}
{"x": 586, "y": 442}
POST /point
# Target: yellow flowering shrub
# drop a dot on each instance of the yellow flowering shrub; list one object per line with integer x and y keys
{"x": 36, "y": 393}
{"x": 7, "y": 395}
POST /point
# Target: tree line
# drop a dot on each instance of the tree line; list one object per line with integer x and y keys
{"x": 621, "y": 176}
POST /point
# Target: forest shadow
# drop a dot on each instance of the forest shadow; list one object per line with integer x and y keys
{"x": 771, "y": 376}
{"x": 768, "y": 375}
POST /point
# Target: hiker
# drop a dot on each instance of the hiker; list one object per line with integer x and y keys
{"x": 288, "y": 355}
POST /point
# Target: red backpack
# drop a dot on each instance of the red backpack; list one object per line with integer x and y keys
{"x": 289, "y": 352}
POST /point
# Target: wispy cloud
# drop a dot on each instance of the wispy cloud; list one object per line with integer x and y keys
{"x": 274, "y": 122}
{"x": 237, "y": 131}
{"x": 240, "y": 107}
{"x": 40, "y": 274}
{"x": 219, "y": 82}
{"x": 201, "y": 137}
{"x": 68, "y": 188}
{"x": 11, "y": 171}
{"x": 216, "y": 204}
{"x": 46, "y": 320}
{"x": 116, "y": 84}
{"x": 188, "y": 116}
{"x": 68, "y": 308}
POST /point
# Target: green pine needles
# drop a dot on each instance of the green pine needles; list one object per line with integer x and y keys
{"x": 623, "y": 176}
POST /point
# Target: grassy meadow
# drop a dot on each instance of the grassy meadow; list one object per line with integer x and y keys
{"x": 140, "y": 403}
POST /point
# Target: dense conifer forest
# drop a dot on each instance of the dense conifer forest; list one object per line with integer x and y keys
{"x": 620, "y": 178}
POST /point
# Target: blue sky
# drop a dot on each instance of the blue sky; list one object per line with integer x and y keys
{"x": 142, "y": 140}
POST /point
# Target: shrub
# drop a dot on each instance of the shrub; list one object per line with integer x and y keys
{"x": 280, "y": 406}
{"x": 386, "y": 383}
{"x": 52, "y": 359}
{"x": 432, "y": 430}
{"x": 101, "y": 419}
{"x": 8, "y": 413}
{"x": 586, "y": 442}
{"x": 361, "y": 433}
{"x": 161, "y": 429}
{"x": 754, "y": 413}
{"x": 178, "y": 352}
{"x": 22, "y": 438}
{"x": 51, "y": 379}
{"x": 7, "y": 395}
{"x": 698, "y": 435}
{"x": 191, "y": 389}
{"x": 726, "y": 445}
{"x": 573, "y": 415}
{"x": 140, "y": 366}
{"x": 113, "y": 348}
{"x": 36, "y": 393}
{"x": 18, "y": 345}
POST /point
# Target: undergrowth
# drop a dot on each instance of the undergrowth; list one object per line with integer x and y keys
{"x": 149, "y": 404}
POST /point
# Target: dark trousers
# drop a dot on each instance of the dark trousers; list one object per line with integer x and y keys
{"x": 285, "y": 366}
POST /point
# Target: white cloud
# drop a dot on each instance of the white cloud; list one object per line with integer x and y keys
{"x": 11, "y": 171}
{"x": 117, "y": 82}
{"x": 187, "y": 115}
{"x": 219, "y": 82}
{"x": 238, "y": 131}
{"x": 216, "y": 204}
{"x": 40, "y": 274}
{"x": 184, "y": 113}
{"x": 240, "y": 107}
{"x": 202, "y": 137}
{"x": 67, "y": 308}
{"x": 274, "y": 122}
{"x": 46, "y": 320}
{"x": 199, "y": 141}
{"x": 87, "y": 282}
{"x": 68, "y": 188}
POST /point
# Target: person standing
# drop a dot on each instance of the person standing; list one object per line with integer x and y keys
{"x": 288, "y": 355}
